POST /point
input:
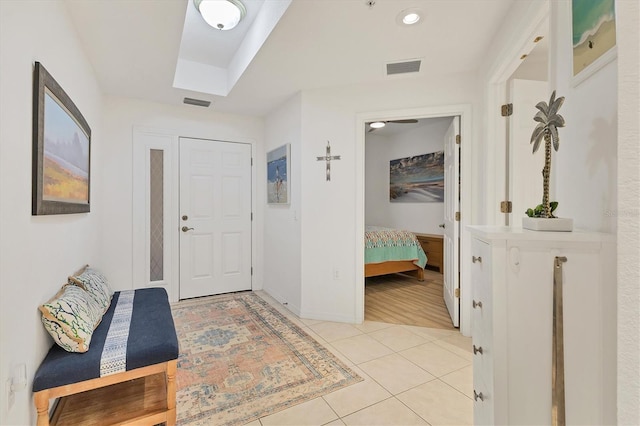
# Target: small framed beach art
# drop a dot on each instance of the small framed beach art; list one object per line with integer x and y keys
{"x": 594, "y": 37}
{"x": 417, "y": 179}
{"x": 61, "y": 150}
{"x": 278, "y": 170}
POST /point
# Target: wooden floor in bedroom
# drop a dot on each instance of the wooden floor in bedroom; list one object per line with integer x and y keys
{"x": 401, "y": 299}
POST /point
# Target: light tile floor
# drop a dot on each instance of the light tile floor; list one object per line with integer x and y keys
{"x": 412, "y": 376}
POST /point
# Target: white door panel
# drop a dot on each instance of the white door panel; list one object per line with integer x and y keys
{"x": 215, "y": 198}
{"x": 451, "y": 229}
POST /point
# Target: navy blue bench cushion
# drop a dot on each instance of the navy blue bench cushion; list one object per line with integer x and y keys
{"x": 152, "y": 340}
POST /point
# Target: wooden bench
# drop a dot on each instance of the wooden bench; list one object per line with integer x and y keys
{"x": 145, "y": 393}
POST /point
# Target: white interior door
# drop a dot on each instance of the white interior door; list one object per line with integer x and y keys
{"x": 215, "y": 217}
{"x": 525, "y": 168}
{"x": 451, "y": 225}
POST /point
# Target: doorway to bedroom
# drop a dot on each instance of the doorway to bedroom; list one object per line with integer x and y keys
{"x": 412, "y": 194}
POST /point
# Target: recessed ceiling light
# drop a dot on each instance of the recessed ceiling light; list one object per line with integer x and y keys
{"x": 377, "y": 124}
{"x": 409, "y": 16}
{"x": 221, "y": 14}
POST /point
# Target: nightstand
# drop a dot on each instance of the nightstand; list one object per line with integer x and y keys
{"x": 432, "y": 246}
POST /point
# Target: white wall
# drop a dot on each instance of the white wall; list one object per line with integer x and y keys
{"x": 121, "y": 115}
{"x": 628, "y": 212}
{"x": 584, "y": 169}
{"x": 37, "y": 253}
{"x": 584, "y": 172}
{"x": 329, "y": 285}
{"x": 282, "y": 227}
{"x": 379, "y": 150}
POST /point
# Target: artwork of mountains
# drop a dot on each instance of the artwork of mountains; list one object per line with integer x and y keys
{"x": 418, "y": 179}
{"x": 66, "y": 156}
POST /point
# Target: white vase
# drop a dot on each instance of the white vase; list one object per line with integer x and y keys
{"x": 547, "y": 224}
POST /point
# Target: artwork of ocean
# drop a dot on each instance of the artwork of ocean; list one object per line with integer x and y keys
{"x": 418, "y": 179}
{"x": 277, "y": 176}
{"x": 594, "y": 31}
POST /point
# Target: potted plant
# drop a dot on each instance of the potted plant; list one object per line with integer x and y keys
{"x": 549, "y": 121}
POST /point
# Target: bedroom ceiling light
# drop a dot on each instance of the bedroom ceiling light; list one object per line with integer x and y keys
{"x": 377, "y": 124}
{"x": 409, "y": 16}
{"x": 221, "y": 14}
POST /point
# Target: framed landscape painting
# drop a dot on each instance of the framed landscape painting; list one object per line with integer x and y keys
{"x": 278, "y": 169}
{"x": 417, "y": 179}
{"x": 61, "y": 150}
{"x": 593, "y": 24}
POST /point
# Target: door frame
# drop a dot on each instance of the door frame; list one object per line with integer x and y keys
{"x": 462, "y": 110}
{"x": 496, "y": 93}
{"x": 169, "y": 141}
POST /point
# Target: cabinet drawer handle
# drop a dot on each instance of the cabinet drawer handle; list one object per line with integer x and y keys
{"x": 476, "y": 259}
{"x": 477, "y": 350}
{"x": 476, "y": 304}
{"x": 478, "y": 396}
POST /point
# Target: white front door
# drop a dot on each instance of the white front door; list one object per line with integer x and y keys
{"x": 451, "y": 228}
{"x": 215, "y": 217}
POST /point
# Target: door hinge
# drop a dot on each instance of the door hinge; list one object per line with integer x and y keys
{"x": 506, "y": 207}
{"x": 252, "y": 216}
{"x": 457, "y": 293}
{"x": 457, "y": 216}
{"x": 457, "y": 139}
{"x": 252, "y": 161}
{"x": 252, "y": 270}
{"x": 506, "y": 110}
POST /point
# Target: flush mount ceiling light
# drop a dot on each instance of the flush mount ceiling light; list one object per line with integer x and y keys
{"x": 221, "y": 14}
{"x": 377, "y": 124}
{"x": 409, "y": 16}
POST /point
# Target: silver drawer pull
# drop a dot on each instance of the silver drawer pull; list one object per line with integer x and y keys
{"x": 478, "y": 396}
{"x": 477, "y": 350}
{"x": 476, "y": 304}
{"x": 476, "y": 259}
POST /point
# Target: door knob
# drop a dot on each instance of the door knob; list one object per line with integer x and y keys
{"x": 476, "y": 259}
{"x": 186, "y": 228}
{"x": 441, "y": 225}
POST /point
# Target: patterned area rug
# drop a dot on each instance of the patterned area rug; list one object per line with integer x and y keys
{"x": 240, "y": 360}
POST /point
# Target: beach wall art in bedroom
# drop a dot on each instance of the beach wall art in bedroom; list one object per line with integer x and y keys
{"x": 417, "y": 179}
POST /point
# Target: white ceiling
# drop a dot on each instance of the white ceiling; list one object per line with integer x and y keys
{"x": 134, "y": 45}
{"x": 203, "y": 44}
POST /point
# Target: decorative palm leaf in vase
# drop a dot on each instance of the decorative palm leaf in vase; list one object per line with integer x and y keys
{"x": 548, "y": 122}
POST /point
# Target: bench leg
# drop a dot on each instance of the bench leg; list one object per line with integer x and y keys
{"x": 171, "y": 392}
{"x": 41, "y": 400}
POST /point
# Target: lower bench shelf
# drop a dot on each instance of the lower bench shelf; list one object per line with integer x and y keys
{"x": 146, "y": 395}
{"x": 143, "y": 399}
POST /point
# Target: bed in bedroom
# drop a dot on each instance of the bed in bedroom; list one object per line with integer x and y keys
{"x": 389, "y": 251}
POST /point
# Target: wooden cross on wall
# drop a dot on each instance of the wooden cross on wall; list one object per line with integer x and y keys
{"x": 327, "y": 157}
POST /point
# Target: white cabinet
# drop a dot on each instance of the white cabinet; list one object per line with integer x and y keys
{"x": 512, "y": 284}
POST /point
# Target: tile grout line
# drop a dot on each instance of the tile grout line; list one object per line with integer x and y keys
{"x": 329, "y": 346}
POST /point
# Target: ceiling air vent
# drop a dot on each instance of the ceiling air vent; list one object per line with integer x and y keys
{"x": 196, "y": 102}
{"x": 403, "y": 67}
